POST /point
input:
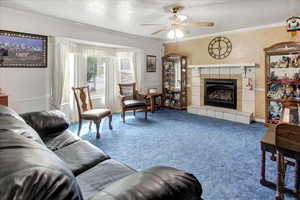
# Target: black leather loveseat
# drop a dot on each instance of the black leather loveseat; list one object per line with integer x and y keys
{"x": 41, "y": 160}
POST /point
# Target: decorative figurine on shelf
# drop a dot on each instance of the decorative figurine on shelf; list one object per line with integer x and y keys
{"x": 298, "y": 60}
{"x": 285, "y": 78}
{"x": 275, "y": 111}
{"x": 273, "y": 77}
{"x": 296, "y": 76}
{"x": 276, "y": 94}
{"x": 289, "y": 91}
{"x": 298, "y": 93}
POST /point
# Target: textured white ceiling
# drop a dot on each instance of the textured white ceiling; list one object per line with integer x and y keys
{"x": 127, "y": 15}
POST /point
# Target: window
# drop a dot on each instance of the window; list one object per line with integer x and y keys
{"x": 96, "y": 77}
{"x": 126, "y": 71}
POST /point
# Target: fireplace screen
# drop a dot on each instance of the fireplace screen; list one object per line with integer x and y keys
{"x": 220, "y": 92}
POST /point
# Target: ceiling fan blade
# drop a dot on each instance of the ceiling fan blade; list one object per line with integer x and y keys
{"x": 183, "y": 29}
{"x": 152, "y": 24}
{"x": 159, "y": 31}
{"x": 195, "y": 24}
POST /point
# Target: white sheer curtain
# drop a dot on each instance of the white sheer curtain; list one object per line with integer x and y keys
{"x": 70, "y": 70}
{"x": 111, "y": 84}
{"x": 59, "y": 73}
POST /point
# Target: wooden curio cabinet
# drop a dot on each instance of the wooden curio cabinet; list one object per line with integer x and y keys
{"x": 282, "y": 82}
{"x": 174, "y": 81}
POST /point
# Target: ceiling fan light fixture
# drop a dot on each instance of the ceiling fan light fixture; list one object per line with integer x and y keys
{"x": 175, "y": 33}
{"x": 182, "y": 17}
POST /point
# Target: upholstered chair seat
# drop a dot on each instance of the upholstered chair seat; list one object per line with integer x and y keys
{"x": 134, "y": 103}
{"x": 96, "y": 113}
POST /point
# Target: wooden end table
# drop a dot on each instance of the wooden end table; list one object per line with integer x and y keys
{"x": 153, "y": 97}
{"x": 267, "y": 143}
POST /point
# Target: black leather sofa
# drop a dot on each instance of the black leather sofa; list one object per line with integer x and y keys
{"x": 41, "y": 160}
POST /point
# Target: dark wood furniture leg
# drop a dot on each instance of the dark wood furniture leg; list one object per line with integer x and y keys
{"x": 91, "y": 123}
{"x": 263, "y": 167}
{"x": 146, "y": 110}
{"x": 79, "y": 127}
{"x": 280, "y": 177}
{"x": 123, "y": 116}
{"x": 110, "y": 120}
{"x": 97, "y": 128}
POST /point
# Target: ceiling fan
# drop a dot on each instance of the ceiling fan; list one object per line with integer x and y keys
{"x": 176, "y": 27}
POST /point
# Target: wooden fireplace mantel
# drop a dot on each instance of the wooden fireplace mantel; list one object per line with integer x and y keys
{"x": 243, "y": 65}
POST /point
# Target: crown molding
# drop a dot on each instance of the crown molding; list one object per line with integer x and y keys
{"x": 228, "y": 32}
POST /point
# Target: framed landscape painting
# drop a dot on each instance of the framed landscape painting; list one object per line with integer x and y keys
{"x": 22, "y": 50}
{"x": 151, "y": 63}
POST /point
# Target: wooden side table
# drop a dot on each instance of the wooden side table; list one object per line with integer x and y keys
{"x": 153, "y": 97}
{"x": 4, "y": 99}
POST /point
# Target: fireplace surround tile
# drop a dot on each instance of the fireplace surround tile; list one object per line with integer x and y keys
{"x": 196, "y": 91}
{"x": 245, "y": 97}
{"x": 220, "y": 114}
{"x": 229, "y": 116}
{"x": 211, "y": 113}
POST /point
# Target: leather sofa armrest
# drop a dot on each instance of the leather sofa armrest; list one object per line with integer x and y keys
{"x": 47, "y": 123}
{"x": 159, "y": 183}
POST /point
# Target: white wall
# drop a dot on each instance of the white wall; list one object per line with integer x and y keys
{"x": 29, "y": 88}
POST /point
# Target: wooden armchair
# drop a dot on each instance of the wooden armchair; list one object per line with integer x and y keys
{"x": 86, "y": 110}
{"x": 287, "y": 142}
{"x": 131, "y": 99}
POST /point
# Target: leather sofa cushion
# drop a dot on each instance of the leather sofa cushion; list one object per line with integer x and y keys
{"x": 133, "y": 103}
{"x": 62, "y": 140}
{"x": 81, "y": 156}
{"x": 10, "y": 121}
{"x": 47, "y": 122}
{"x": 30, "y": 171}
{"x": 159, "y": 183}
{"x": 96, "y": 113}
{"x": 96, "y": 178}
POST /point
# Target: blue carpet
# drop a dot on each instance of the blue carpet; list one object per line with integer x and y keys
{"x": 223, "y": 155}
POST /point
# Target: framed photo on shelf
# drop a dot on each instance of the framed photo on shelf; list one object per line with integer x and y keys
{"x": 151, "y": 63}
{"x": 22, "y": 50}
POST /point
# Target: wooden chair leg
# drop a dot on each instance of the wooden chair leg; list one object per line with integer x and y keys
{"x": 110, "y": 120}
{"x": 97, "y": 128}
{"x": 280, "y": 177}
{"x": 263, "y": 166}
{"x": 91, "y": 123}
{"x": 146, "y": 111}
{"x": 297, "y": 179}
{"x": 123, "y": 116}
{"x": 79, "y": 127}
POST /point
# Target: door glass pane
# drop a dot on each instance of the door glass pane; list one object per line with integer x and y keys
{"x": 95, "y": 77}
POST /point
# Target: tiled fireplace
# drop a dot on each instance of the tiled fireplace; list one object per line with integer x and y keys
{"x": 224, "y": 91}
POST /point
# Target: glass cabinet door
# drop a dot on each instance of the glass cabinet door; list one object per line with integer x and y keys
{"x": 174, "y": 81}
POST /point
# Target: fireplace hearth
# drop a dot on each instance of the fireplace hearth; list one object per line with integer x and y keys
{"x": 220, "y": 93}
